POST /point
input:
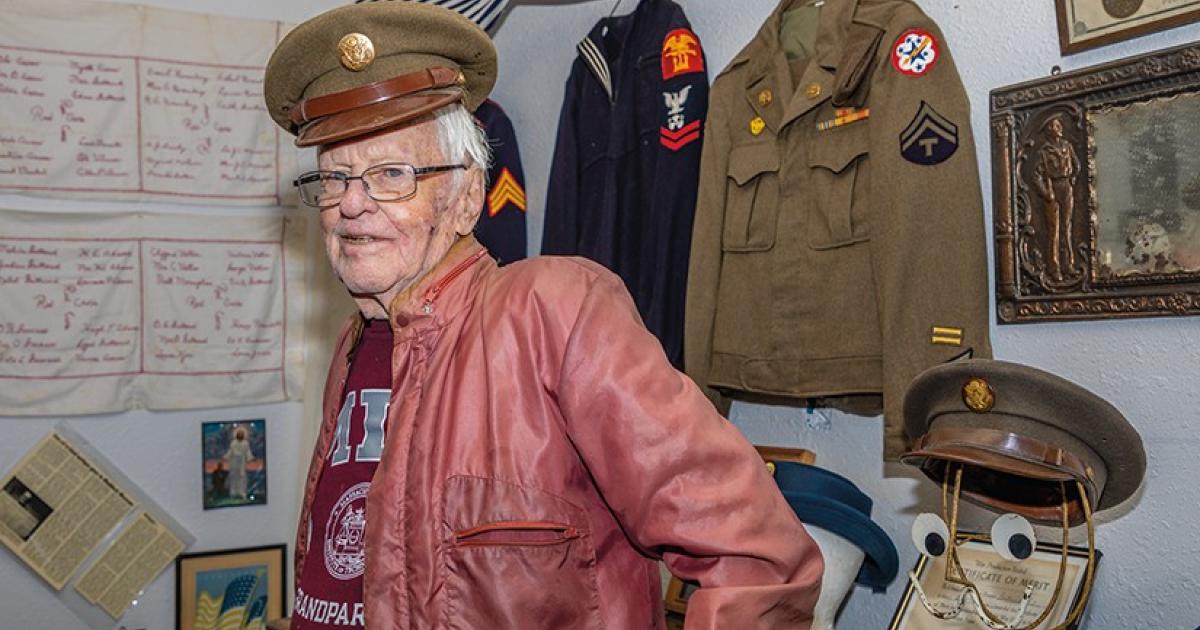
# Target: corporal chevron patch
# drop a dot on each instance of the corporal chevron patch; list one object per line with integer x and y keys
{"x": 505, "y": 191}
{"x": 930, "y": 138}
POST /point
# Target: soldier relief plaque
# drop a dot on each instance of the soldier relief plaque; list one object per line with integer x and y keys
{"x": 1096, "y": 177}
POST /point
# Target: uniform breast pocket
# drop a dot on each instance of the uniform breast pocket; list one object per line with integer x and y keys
{"x": 516, "y": 557}
{"x": 752, "y": 199}
{"x": 840, "y": 178}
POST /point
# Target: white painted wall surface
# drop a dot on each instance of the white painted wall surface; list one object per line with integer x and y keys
{"x": 1147, "y": 368}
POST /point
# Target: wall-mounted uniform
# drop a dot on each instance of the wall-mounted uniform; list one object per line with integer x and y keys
{"x": 501, "y": 226}
{"x": 839, "y": 242}
{"x": 623, "y": 181}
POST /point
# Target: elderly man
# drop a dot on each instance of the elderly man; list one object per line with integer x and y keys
{"x": 501, "y": 447}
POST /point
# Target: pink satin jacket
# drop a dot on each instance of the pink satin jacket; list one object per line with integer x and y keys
{"x": 541, "y": 454}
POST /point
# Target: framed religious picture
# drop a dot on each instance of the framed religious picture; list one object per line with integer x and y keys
{"x": 1084, "y": 24}
{"x": 234, "y": 463}
{"x": 1096, "y": 184}
{"x": 234, "y": 588}
{"x": 1001, "y": 585}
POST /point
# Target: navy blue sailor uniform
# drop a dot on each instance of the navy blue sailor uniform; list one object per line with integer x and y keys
{"x": 626, "y": 164}
{"x": 501, "y": 226}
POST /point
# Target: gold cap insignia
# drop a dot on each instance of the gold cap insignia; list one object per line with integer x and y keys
{"x": 978, "y": 395}
{"x": 765, "y": 97}
{"x": 356, "y": 51}
{"x": 757, "y": 124}
{"x": 813, "y": 90}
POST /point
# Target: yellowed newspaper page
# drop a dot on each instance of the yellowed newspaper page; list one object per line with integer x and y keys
{"x": 56, "y": 507}
{"x": 137, "y": 556}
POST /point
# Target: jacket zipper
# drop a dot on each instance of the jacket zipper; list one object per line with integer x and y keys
{"x": 434, "y": 291}
{"x": 536, "y": 534}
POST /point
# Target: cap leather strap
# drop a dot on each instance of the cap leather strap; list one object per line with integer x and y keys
{"x": 1009, "y": 444}
{"x": 395, "y": 87}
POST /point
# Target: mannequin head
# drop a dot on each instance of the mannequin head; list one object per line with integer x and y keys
{"x": 843, "y": 559}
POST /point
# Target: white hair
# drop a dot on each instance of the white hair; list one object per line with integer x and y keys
{"x": 462, "y": 137}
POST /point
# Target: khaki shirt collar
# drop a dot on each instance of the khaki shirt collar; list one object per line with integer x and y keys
{"x": 768, "y": 65}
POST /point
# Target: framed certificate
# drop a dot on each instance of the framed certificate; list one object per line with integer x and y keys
{"x": 1001, "y": 583}
{"x": 1084, "y": 24}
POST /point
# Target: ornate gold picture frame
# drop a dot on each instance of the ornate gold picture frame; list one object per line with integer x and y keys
{"x": 1096, "y": 184}
{"x": 1084, "y": 24}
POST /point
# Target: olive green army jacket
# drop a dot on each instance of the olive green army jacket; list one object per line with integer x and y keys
{"x": 838, "y": 245}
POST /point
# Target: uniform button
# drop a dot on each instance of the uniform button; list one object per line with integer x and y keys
{"x": 765, "y": 97}
{"x": 756, "y": 125}
{"x": 813, "y": 90}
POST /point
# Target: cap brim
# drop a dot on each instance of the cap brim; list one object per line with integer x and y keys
{"x": 375, "y": 117}
{"x": 986, "y": 459}
{"x": 1025, "y": 499}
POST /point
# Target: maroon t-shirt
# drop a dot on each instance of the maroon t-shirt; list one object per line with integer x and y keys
{"x": 329, "y": 594}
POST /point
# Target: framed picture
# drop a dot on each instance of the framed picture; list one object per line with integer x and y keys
{"x": 678, "y": 591}
{"x": 234, "y": 463}
{"x": 1084, "y": 24}
{"x": 1001, "y": 584}
{"x": 235, "y": 588}
{"x": 1096, "y": 183}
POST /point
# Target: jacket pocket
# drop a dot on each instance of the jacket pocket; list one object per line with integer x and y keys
{"x": 516, "y": 533}
{"x": 840, "y": 184}
{"x": 752, "y": 199}
{"x": 516, "y": 557}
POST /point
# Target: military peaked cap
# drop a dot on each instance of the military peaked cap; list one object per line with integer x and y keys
{"x": 1020, "y": 432}
{"x": 366, "y": 67}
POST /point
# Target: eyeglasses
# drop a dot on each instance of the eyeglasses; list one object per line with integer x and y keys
{"x": 382, "y": 182}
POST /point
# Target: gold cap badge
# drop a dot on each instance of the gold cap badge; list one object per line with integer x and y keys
{"x": 757, "y": 124}
{"x": 813, "y": 90}
{"x": 765, "y": 97}
{"x": 978, "y": 395}
{"x": 356, "y": 51}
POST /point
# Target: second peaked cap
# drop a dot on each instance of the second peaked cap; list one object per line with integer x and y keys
{"x": 366, "y": 67}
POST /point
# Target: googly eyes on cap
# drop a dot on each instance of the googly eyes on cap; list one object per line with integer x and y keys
{"x": 1013, "y": 537}
{"x": 930, "y": 535}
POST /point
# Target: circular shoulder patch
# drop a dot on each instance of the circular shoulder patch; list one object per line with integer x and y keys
{"x": 915, "y": 52}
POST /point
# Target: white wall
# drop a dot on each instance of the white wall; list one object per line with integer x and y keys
{"x": 1147, "y": 368}
{"x": 1149, "y": 575}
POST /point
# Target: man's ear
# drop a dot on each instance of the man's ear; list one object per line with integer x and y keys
{"x": 471, "y": 199}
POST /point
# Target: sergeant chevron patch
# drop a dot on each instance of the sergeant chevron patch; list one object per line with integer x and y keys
{"x": 505, "y": 191}
{"x": 929, "y": 139}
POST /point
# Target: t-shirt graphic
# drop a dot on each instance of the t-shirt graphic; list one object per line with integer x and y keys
{"x": 329, "y": 594}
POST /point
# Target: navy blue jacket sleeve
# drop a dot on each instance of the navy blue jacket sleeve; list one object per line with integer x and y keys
{"x": 501, "y": 226}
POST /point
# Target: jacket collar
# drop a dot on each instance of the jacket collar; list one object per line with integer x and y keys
{"x": 440, "y": 294}
{"x": 768, "y": 65}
